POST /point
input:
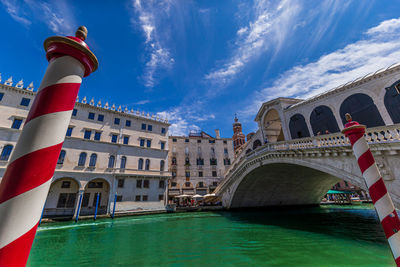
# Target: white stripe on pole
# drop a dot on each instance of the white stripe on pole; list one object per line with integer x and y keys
{"x": 53, "y": 126}
{"x": 394, "y": 242}
{"x": 371, "y": 175}
{"x": 384, "y": 206}
{"x": 360, "y": 147}
{"x": 20, "y": 220}
{"x": 63, "y": 70}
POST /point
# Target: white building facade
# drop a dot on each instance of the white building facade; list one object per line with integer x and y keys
{"x": 108, "y": 154}
{"x": 197, "y": 163}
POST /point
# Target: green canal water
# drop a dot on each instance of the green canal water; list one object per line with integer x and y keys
{"x": 324, "y": 236}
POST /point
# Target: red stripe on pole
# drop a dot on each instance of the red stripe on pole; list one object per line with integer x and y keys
{"x": 397, "y": 261}
{"x": 54, "y": 98}
{"x": 32, "y": 170}
{"x": 377, "y": 190}
{"x": 354, "y": 137}
{"x": 365, "y": 160}
{"x": 16, "y": 253}
{"x": 391, "y": 224}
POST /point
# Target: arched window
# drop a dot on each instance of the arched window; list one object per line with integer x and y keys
{"x": 111, "y": 161}
{"x": 82, "y": 159}
{"x": 147, "y": 164}
{"x": 187, "y": 161}
{"x": 93, "y": 159}
{"x": 362, "y": 109}
{"x": 61, "y": 157}
{"x": 298, "y": 127}
{"x": 173, "y": 161}
{"x": 323, "y": 121}
{"x": 256, "y": 144}
{"x": 392, "y": 101}
{"x": 162, "y": 163}
{"x": 123, "y": 162}
{"x": 140, "y": 164}
{"x": 5, "y": 154}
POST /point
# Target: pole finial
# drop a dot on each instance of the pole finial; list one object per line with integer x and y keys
{"x": 81, "y": 33}
{"x": 348, "y": 117}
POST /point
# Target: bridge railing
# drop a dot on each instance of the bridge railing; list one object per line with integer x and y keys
{"x": 375, "y": 135}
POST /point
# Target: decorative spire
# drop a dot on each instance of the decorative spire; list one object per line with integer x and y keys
{"x": 106, "y": 106}
{"x": 113, "y": 107}
{"x": 132, "y": 111}
{"x": 84, "y": 100}
{"x": 30, "y": 87}
{"x": 0, "y": 77}
{"x": 99, "y": 104}
{"x": 236, "y": 119}
{"x": 126, "y": 110}
{"x": 20, "y": 84}
{"x": 119, "y": 108}
{"x": 91, "y": 102}
{"x": 77, "y": 99}
{"x": 9, "y": 81}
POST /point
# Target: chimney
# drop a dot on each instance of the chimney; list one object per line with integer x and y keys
{"x": 217, "y": 135}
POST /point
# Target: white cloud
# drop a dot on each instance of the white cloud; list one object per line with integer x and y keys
{"x": 379, "y": 49}
{"x": 142, "y": 102}
{"x": 270, "y": 27}
{"x": 146, "y": 14}
{"x": 57, "y": 15}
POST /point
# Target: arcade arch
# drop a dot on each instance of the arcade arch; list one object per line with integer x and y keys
{"x": 392, "y": 101}
{"x": 323, "y": 121}
{"x": 298, "y": 126}
{"x": 273, "y": 126}
{"x": 98, "y": 186}
{"x": 362, "y": 109}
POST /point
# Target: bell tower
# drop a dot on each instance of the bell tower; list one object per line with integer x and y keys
{"x": 238, "y": 137}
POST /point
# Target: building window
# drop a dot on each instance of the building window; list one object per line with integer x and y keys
{"x": 162, "y": 163}
{"x": 142, "y": 142}
{"x": 143, "y": 126}
{"x": 187, "y": 161}
{"x": 163, "y": 130}
{"x": 215, "y": 183}
{"x": 198, "y": 141}
{"x": 69, "y": 131}
{"x": 126, "y": 140}
{"x": 200, "y": 161}
{"x": 147, "y": 167}
{"x": 149, "y": 127}
{"x": 25, "y": 102}
{"x": 214, "y": 173}
{"x": 97, "y": 136}
{"x": 128, "y": 123}
{"x": 146, "y": 183}
{"x": 85, "y": 199}
{"x": 186, "y": 140}
{"x": 225, "y": 142}
{"x": 173, "y": 161}
{"x": 200, "y": 174}
{"x": 187, "y": 174}
{"x": 211, "y": 141}
{"x": 213, "y": 162}
{"x": 187, "y": 184}
{"x": 138, "y": 183}
{"x": 161, "y": 184}
{"x": 121, "y": 183}
{"x": 116, "y": 121}
{"x": 95, "y": 185}
{"x": 82, "y": 159}
{"x": 61, "y": 157}
{"x": 162, "y": 145}
{"x": 66, "y": 184}
{"x": 140, "y": 164}
{"x": 174, "y": 140}
{"x": 87, "y": 135}
{"x": 144, "y": 198}
{"x": 1, "y": 96}
{"x": 100, "y": 117}
{"x": 66, "y": 200}
{"x": 114, "y": 138}
{"x": 160, "y": 197}
{"x": 16, "y": 124}
{"x": 119, "y": 198}
{"x": 74, "y": 112}
{"x": 225, "y": 150}
{"x": 137, "y": 198}
{"x": 91, "y": 116}
{"x": 148, "y": 143}
{"x": 173, "y": 174}
{"x": 5, "y": 153}
{"x": 201, "y": 184}
{"x": 123, "y": 162}
{"x": 92, "y": 160}
{"x": 111, "y": 161}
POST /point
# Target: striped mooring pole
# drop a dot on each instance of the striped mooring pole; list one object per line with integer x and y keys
{"x": 380, "y": 197}
{"x": 26, "y": 181}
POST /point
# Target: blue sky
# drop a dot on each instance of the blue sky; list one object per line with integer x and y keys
{"x": 200, "y": 62}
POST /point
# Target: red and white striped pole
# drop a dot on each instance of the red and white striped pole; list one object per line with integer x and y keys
{"x": 26, "y": 182}
{"x": 377, "y": 190}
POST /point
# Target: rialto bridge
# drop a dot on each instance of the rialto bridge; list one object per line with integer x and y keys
{"x": 298, "y": 152}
